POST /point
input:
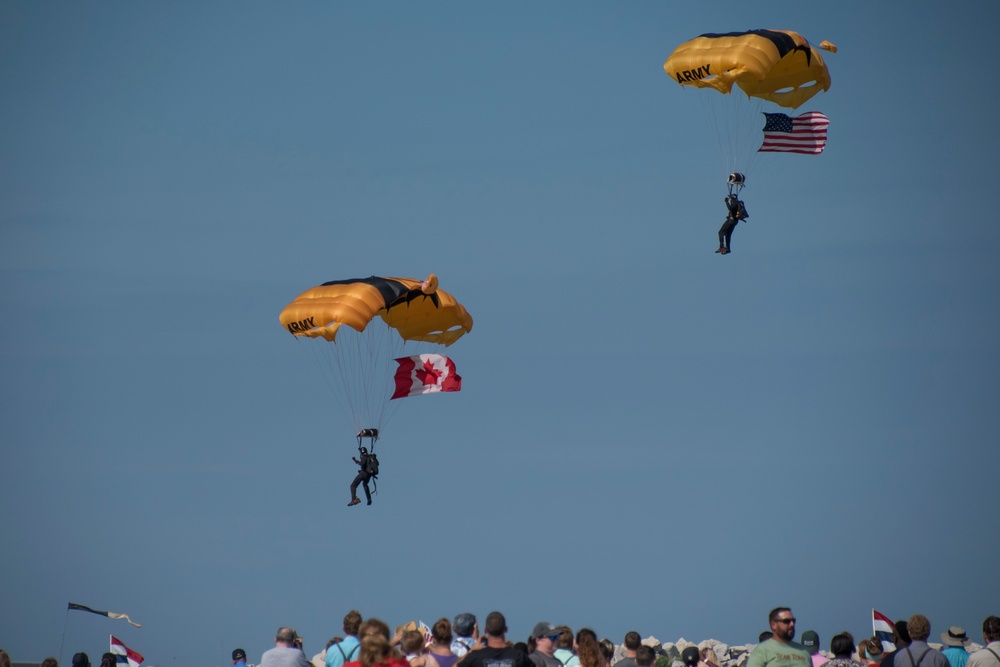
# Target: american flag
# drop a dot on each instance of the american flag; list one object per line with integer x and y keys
{"x": 795, "y": 134}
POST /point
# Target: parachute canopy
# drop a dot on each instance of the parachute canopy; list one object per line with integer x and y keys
{"x": 776, "y": 65}
{"x": 360, "y": 327}
{"x": 416, "y": 309}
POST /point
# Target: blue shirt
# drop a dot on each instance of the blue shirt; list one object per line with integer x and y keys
{"x": 334, "y": 657}
{"x": 957, "y": 655}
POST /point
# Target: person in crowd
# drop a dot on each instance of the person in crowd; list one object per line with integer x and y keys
{"x": 588, "y": 650}
{"x": 955, "y": 640}
{"x": 580, "y": 634}
{"x": 81, "y": 660}
{"x": 239, "y": 657}
{"x": 989, "y": 656}
{"x": 918, "y": 653}
{"x": 607, "y": 650}
{"x": 690, "y": 656}
{"x": 842, "y": 648}
{"x": 375, "y": 650}
{"x": 545, "y": 635}
{"x": 564, "y": 647}
{"x": 632, "y": 642}
{"x": 49, "y": 662}
{"x": 645, "y": 656}
{"x": 780, "y": 650}
{"x": 870, "y": 651}
{"x": 347, "y": 649}
{"x": 287, "y": 651}
{"x": 810, "y": 639}
{"x": 764, "y": 636}
{"x": 495, "y": 652}
{"x": 466, "y": 633}
{"x": 319, "y": 660}
{"x": 415, "y": 650}
{"x": 901, "y": 639}
{"x": 441, "y": 642}
{"x": 708, "y": 658}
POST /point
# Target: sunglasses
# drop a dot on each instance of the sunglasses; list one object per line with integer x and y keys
{"x": 786, "y": 621}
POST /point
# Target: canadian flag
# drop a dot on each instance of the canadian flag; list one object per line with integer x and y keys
{"x": 125, "y": 655}
{"x": 425, "y": 374}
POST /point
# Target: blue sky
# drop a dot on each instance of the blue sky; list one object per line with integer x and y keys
{"x": 650, "y": 436}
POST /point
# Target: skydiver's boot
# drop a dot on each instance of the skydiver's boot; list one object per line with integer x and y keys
{"x": 725, "y": 251}
{"x": 721, "y": 249}
{"x": 354, "y": 501}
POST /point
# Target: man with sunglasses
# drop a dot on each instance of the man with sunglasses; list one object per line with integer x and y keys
{"x": 780, "y": 650}
{"x": 546, "y": 638}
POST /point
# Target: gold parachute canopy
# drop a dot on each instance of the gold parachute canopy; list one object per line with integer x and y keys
{"x": 415, "y": 308}
{"x": 776, "y": 65}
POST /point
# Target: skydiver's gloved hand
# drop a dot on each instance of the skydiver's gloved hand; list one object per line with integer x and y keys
{"x": 355, "y": 460}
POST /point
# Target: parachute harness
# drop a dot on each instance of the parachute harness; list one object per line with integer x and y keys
{"x": 371, "y": 434}
{"x": 736, "y": 182}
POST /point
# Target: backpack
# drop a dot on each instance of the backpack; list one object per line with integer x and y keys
{"x": 742, "y": 214}
{"x": 371, "y": 467}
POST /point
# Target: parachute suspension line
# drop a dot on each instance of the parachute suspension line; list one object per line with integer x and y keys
{"x": 323, "y": 356}
{"x": 712, "y": 109}
{"x": 752, "y": 132}
{"x": 736, "y": 122}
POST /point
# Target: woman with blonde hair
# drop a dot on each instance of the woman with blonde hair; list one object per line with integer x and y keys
{"x": 376, "y": 651}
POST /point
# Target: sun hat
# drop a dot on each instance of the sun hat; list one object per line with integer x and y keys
{"x": 955, "y": 636}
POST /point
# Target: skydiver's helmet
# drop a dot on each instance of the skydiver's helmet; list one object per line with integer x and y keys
{"x": 364, "y": 450}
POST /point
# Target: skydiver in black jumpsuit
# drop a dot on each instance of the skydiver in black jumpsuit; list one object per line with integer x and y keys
{"x": 362, "y": 477}
{"x": 737, "y": 212}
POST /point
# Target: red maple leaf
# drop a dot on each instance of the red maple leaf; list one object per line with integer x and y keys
{"x": 428, "y": 375}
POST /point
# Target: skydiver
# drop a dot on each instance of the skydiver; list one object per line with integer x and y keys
{"x": 364, "y": 475}
{"x": 737, "y": 212}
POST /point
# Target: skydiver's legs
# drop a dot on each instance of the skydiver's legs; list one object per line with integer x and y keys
{"x": 726, "y": 235}
{"x": 361, "y": 477}
{"x": 368, "y": 493}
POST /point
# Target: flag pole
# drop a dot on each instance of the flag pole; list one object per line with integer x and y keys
{"x": 62, "y": 642}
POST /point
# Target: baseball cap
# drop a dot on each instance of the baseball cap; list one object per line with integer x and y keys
{"x": 544, "y": 629}
{"x": 691, "y": 655}
{"x": 239, "y": 654}
{"x": 811, "y": 641}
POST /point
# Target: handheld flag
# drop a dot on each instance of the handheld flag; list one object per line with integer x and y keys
{"x": 109, "y": 614}
{"x": 425, "y": 374}
{"x": 795, "y": 134}
{"x": 428, "y": 634}
{"x": 126, "y": 656}
{"x": 882, "y": 627}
